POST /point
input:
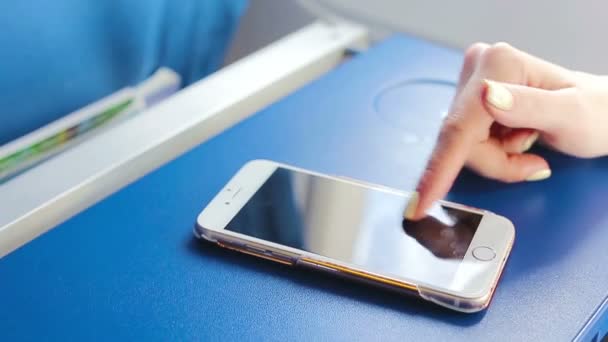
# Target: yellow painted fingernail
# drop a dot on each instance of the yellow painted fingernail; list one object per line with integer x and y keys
{"x": 539, "y": 175}
{"x": 529, "y": 142}
{"x": 498, "y": 95}
{"x": 410, "y": 211}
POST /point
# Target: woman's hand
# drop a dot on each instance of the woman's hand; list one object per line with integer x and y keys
{"x": 505, "y": 101}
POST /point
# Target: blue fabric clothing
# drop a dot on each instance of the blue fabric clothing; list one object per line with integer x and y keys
{"x": 58, "y": 56}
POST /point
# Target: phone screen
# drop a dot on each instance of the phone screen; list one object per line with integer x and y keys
{"x": 357, "y": 225}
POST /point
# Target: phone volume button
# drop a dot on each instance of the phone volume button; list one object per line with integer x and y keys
{"x": 255, "y": 249}
{"x": 231, "y": 245}
{"x": 280, "y": 255}
{"x": 325, "y": 268}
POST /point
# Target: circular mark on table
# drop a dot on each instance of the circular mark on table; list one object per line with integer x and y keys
{"x": 416, "y": 107}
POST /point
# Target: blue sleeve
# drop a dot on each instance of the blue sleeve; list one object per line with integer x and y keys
{"x": 58, "y": 56}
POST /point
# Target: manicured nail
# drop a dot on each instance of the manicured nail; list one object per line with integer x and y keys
{"x": 529, "y": 142}
{"x": 539, "y": 175}
{"x": 498, "y": 95}
{"x": 410, "y": 211}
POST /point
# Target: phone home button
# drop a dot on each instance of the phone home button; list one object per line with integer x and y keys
{"x": 484, "y": 253}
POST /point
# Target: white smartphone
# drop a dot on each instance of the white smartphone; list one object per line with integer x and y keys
{"x": 453, "y": 257}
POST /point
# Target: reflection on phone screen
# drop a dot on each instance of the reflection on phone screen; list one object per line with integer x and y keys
{"x": 357, "y": 225}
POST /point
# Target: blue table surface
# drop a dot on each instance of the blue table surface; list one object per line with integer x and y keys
{"x": 129, "y": 267}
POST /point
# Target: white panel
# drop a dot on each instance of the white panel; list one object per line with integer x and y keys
{"x": 567, "y": 32}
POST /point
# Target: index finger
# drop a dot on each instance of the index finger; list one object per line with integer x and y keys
{"x": 452, "y": 148}
{"x": 448, "y": 158}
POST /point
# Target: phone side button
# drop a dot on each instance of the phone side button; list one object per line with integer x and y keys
{"x": 325, "y": 268}
{"x": 316, "y": 266}
{"x": 230, "y": 245}
{"x": 255, "y": 249}
{"x": 282, "y": 256}
{"x": 269, "y": 254}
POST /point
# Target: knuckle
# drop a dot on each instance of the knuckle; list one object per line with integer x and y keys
{"x": 473, "y": 52}
{"x": 502, "y": 48}
{"x": 462, "y": 126}
{"x": 430, "y": 173}
{"x": 503, "y": 45}
{"x": 452, "y": 130}
{"x": 500, "y": 54}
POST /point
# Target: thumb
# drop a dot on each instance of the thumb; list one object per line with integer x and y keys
{"x": 517, "y": 106}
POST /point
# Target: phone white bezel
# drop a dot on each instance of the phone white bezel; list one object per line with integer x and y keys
{"x": 473, "y": 282}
